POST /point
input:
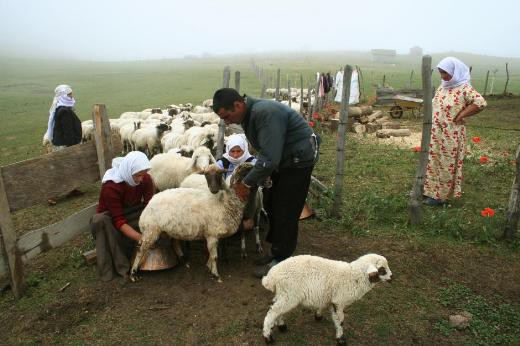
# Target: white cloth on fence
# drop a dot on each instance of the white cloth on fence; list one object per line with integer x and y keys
{"x": 60, "y": 99}
{"x": 458, "y": 71}
{"x": 237, "y": 139}
{"x": 123, "y": 168}
{"x": 354, "y": 87}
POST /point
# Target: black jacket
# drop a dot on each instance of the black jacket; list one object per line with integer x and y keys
{"x": 67, "y": 127}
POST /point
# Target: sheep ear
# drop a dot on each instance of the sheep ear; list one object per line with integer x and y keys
{"x": 373, "y": 274}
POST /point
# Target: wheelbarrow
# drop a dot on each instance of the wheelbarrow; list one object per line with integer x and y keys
{"x": 402, "y": 103}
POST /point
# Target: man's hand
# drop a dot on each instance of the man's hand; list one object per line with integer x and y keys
{"x": 242, "y": 191}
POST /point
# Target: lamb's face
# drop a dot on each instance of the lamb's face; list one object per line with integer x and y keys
{"x": 377, "y": 268}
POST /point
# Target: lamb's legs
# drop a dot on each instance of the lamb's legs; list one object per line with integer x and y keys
{"x": 243, "y": 252}
{"x": 258, "y": 242}
{"x": 212, "y": 260}
{"x": 337, "y": 317}
{"x": 146, "y": 242}
{"x": 177, "y": 248}
{"x": 281, "y": 306}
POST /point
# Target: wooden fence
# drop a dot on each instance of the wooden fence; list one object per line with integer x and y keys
{"x": 26, "y": 183}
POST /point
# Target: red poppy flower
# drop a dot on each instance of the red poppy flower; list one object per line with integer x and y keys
{"x": 311, "y": 123}
{"x": 484, "y": 159}
{"x": 475, "y": 139}
{"x": 416, "y": 149}
{"x": 487, "y": 212}
{"x": 315, "y": 115}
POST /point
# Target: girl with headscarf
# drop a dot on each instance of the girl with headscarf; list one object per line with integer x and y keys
{"x": 237, "y": 152}
{"x": 64, "y": 127}
{"x": 454, "y": 101}
{"x": 126, "y": 190}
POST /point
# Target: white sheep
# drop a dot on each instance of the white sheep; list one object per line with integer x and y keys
{"x": 87, "y": 129}
{"x": 169, "y": 169}
{"x": 192, "y": 214}
{"x": 125, "y": 133}
{"x": 320, "y": 283}
{"x": 148, "y": 139}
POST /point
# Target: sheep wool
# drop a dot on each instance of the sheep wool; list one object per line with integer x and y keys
{"x": 319, "y": 283}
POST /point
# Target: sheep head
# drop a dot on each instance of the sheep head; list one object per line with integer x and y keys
{"x": 240, "y": 172}
{"x": 376, "y": 267}
{"x": 215, "y": 178}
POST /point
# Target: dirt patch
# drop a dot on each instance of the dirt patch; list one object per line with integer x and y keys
{"x": 187, "y": 306}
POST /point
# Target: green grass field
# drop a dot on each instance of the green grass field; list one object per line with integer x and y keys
{"x": 451, "y": 262}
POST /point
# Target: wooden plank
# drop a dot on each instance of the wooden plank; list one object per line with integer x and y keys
{"x": 8, "y": 243}
{"x": 340, "y": 144}
{"x": 49, "y": 237}
{"x": 52, "y": 236}
{"x": 417, "y": 191}
{"x": 102, "y": 138}
{"x": 33, "y": 181}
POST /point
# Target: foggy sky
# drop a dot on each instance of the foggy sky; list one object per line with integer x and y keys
{"x": 133, "y": 30}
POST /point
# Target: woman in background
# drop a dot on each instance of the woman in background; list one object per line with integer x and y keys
{"x": 454, "y": 101}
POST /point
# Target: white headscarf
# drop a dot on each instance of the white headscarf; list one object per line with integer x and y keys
{"x": 60, "y": 99}
{"x": 233, "y": 141}
{"x": 123, "y": 168}
{"x": 458, "y": 71}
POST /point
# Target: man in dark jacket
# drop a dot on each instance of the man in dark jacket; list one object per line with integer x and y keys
{"x": 287, "y": 151}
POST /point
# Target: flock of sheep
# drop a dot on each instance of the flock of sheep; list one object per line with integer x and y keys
{"x": 195, "y": 202}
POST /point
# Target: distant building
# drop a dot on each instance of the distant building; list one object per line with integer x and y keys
{"x": 385, "y": 56}
{"x": 416, "y": 51}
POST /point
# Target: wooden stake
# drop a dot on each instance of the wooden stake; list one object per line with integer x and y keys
{"x": 277, "y": 93}
{"x": 507, "y": 79}
{"x": 513, "y": 211}
{"x": 102, "y": 138}
{"x": 340, "y": 146}
{"x": 416, "y": 193}
{"x": 301, "y": 94}
{"x": 486, "y": 84}
{"x": 237, "y": 81}
{"x": 222, "y": 125}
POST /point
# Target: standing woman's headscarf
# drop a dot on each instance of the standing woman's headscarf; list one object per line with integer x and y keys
{"x": 233, "y": 141}
{"x": 123, "y": 168}
{"x": 458, "y": 71}
{"x": 60, "y": 99}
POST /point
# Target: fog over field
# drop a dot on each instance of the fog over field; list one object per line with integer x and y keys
{"x": 156, "y": 29}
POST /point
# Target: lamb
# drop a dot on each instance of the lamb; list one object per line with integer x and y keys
{"x": 169, "y": 169}
{"x": 192, "y": 214}
{"x": 320, "y": 283}
{"x": 125, "y": 132}
{"x": 87, "y": 129}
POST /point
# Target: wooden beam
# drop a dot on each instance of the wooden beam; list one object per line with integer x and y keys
{"x": 34, "y": 181}
{"x": 237, "y": 81}
{"x": 8, "y": 243}
{"x": 49, "y": 237}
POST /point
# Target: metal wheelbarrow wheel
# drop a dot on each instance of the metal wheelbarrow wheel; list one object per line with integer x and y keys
{"x": 396, "y": 112}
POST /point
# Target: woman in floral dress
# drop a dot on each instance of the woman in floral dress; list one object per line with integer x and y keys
{"x": 454, "y": 101}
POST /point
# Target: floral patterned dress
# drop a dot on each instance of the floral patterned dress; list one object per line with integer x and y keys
{"x": 447, "y": 142}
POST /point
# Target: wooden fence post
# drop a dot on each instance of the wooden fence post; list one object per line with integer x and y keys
{"x": 416, "y": 193}
{"x": 340, "y": 146}
{"x": 507, "y": 79}
{"x": 289, "y": 89}
{"x": 237, "y": 81}
{"x": 301, "y": 94}
{"x": 221, "y": 124}
{"x": 105, "y": 152}
{"x": 309, "y": 102}
{"x": 513, "y": 211}
{"x": 9, "y": 244}
{"x": 277, "y": 92}
{"x": 411, "y": 79}
{"x": 486, "y": 83}
{"x": 317, "y": 98}
{"x": 262, "y": 93}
